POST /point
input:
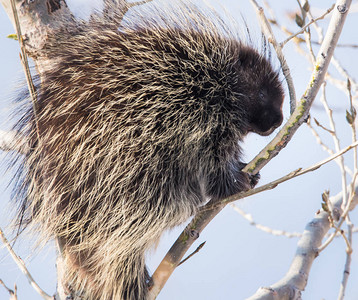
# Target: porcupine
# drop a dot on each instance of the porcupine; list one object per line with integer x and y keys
{"x": 136, "y": 127}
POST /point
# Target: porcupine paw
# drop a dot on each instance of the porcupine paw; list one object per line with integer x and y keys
{"x": 254, "y": 179}
{"x": 251, "y": 180}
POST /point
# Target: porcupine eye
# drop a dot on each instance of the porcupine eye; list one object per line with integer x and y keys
{"x": 262, "y": 95}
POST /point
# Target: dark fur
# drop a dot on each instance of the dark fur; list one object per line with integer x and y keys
{"x": 137, "y": 128}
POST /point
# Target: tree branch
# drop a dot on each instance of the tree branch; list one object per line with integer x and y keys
{"x": 38, "y": 20}
{"x": 263, "y": 228}
{"x": 282, "y": 44}
{"x": 295, "y": 280}
{"x": 13, "y": 293}
{"x": 25, "y": 63}
{"x": 23, "y": 268}
{"x": 273, "y": 184}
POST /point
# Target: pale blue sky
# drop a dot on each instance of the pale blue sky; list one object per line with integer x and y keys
{"x": 237, "y": 258}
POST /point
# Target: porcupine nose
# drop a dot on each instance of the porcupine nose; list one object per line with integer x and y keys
{"x": 279, "y": 119}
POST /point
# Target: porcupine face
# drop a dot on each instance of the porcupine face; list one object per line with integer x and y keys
{"x": 238, "y": 87}
{"x": 263, "y": 90}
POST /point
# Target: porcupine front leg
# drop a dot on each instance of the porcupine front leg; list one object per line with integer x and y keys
{"x": 231, "y": 180}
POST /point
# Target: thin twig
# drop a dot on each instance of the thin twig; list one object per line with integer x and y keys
{"x": 23, "y": 268}
{"x": 336, "y": 143}
{"x": 346, "y": 239}
{"x": 269, "y": 230}
{"x": 307, "y": 35}
{"x": 266, "y": 229}
{"x": 351, "y": 121}
{"x": 346, "y": 210}
{"x": 347, "y": 265}
{"x": 273, "y": 184}
{"x": 335, "y": 61}
{"x": 340, "y": 84}
{"x": 354, "y": 138}
{"x": 25, "y": 64}
{"x": 300, "y": 40}
{"x": 324, "y": 146}
{"x": 318, "y": 138}
{"x": 282, "y": 44}
{"x": 13, "y": 293}
{"x": 345, "y": 45}
{"x": 343, "y": 72}
{"x": 193, "y": 253}
{"x": 323, "y": 127}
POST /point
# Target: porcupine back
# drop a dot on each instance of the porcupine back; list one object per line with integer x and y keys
{"x": 137, "y": 126}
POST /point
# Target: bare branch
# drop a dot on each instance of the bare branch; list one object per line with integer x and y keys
{"x": 295, "y": 280}
{"x": 265, "y": 228}
{"x": 307, "y": 35}
{"x": 23, "y": 268}
{"x": 347, "y": 265}
{"x": 282, "y": 44}
{"x": 336, "y": 143}
{"x": 352, "y": 200}
{"x": 13, "y": 293}
{"x": 179, "y": 248}
{"x": 323, "y": 127}
{"x": 335, "y": 61}
{"x": 354, "y": 46}
{"x": 23, "y": 58}
{"x": 38, "y": 20}
{"x": 273, "y": 184}
{"x": 193, "y": 253}
{"x": 318, "y": 138}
